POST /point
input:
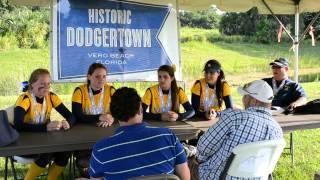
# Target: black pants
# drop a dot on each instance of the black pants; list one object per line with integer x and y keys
{"x": 83, "y": 162}
{"x": 42, "y": 160}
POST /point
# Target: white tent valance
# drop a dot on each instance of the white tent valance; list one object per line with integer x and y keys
{"x": 183, "y": 4}
{"x": 277, "y": 6}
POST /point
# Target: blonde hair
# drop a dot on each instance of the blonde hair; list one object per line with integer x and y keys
{"x": 35, "y": 76}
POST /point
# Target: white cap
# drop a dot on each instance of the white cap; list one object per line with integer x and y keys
{"x": 258, "y": 89}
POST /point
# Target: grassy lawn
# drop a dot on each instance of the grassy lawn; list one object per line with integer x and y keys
{"x": 242, "y": 62}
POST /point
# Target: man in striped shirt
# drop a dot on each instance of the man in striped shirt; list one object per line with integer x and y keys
{"x": 237, "y": 127}
{"x": 136, "y": 149}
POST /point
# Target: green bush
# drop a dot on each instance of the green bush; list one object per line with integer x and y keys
{"x": 239, "y": 23}
{"x": 8, "y": 42}
{"x": 208, "y": 19}
{"x": 230, "y": 39}
{"x": 30, "y": 27}
{"x": 10, "y": 84}
{"x": 195, "y": 37}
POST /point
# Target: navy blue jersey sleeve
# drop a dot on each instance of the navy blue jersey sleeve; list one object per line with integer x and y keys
{"x": 149, "y": 115}
{"x": 195, "y": 100}
{"x": 20, "y": 125}
{"x": 189, "y": 112}
{"x": 228, "y": 101}
{"x": 64, "y": 111}
{"x": 80, "y": 116}
{"x": 299, "y": 91}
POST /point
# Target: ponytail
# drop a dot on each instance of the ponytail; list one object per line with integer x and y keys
{"x": 219, "y": 87}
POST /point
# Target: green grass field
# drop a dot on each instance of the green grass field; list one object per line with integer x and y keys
{"x": 242, "y": 62}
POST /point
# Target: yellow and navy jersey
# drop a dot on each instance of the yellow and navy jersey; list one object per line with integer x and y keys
{"x": 26, "y": 102}
{"x": 81, "y": 96}
{"x": 152, "y": 99}
{"x": 199, "y": 89}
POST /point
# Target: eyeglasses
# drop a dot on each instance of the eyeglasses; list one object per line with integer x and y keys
{"x": 276, "y": 67}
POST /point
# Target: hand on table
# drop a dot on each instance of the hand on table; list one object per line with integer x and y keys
{"x": 54, "y": 125}
{"x": 65, "y": 125}
{"x": 169, "y": 116}
{"x": 106, "y": 120}
{"x": 211, "y": 114}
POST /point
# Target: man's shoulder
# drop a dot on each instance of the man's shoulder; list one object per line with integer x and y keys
{"x": 289, "y": 81}
{"x": 268, "y": 80}
{"x": 157, "y": 130}
{"x": 292, "y": 84}
{"x": 232, "y": 112}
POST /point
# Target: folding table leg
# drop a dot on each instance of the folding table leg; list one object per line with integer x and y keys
{"x": 6, "y": 169}
{"x": 13, "y": 169}
{"x": 74, "y": 165}
{"x": 70, "y": 167}
{"x": 291, "y": 148}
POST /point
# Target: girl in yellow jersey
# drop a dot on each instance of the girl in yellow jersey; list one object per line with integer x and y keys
{"x": 90, "y": 104}
{"x": 32, "y": 113}
{"x": 209, "y": 92}
{"x": 91, "y": 101}
{"x": 164, "y": 99}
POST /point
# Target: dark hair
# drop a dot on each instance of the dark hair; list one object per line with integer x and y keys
{"x": 220, "y": 81}
{"x": 174, "y": 87}
{"x": 93, "y": 67}
{"x": 125, "y": 104}
{"x": 35, "y": 76}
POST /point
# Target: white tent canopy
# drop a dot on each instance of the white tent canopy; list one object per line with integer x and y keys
{"x": 183, "y": 4}
{"x": 277, "y": 6}
{"x": 264, "y": 7}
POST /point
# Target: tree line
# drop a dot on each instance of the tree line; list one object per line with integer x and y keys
{"x": 27, "y": 27}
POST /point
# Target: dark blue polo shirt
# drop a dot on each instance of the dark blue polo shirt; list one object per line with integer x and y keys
{"x": 289, "y": 93}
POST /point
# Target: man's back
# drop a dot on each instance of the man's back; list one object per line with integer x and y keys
{"x": 233, "y": 128}
{"x": 136, "y": 150}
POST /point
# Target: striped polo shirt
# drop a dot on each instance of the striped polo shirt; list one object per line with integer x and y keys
{"x": 136, "y": 150}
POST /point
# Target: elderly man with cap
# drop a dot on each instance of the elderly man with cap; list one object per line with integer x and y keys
{"x": 287, "y": 93}
{"x": 235, "y": 127}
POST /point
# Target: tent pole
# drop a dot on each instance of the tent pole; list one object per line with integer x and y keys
{"x": 296, "y": 45}
{"x": 314, "y": 19}
{"x": 277, "y": 19}
{"x": 179, "y": 38}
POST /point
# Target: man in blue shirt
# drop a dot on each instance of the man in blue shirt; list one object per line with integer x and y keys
{"x": 136, "y": 149}
{"x": 235, "y": 127}
{"x": 287, "y": 93}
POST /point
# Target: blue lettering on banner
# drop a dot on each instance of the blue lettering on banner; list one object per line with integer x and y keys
{"x": 120, "y": 34}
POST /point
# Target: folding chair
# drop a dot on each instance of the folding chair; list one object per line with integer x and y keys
{"x": 256, "y": 159}
{"x": 21, "y": 159}
{"x": 13, "y": 160}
